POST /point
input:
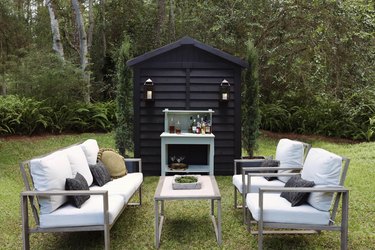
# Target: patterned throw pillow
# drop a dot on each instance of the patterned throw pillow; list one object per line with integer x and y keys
{"x": 113, "y": 161}
{"x": 77, "y": 183}
{"x": 297, "y": 198}
{"x": 100, "y": 174}
{"x": 270, "y": 163}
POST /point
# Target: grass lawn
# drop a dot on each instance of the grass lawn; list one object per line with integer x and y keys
{"x": 187, "y": 224}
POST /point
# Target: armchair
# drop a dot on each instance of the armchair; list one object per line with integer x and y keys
{"x": 269, "y": 210}
{"x": 291, "y": 155}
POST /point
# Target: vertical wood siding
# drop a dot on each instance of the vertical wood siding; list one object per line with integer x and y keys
{"x": 187, "y": 78}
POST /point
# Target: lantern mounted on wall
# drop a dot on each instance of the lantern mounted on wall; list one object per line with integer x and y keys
{"x": 148, "y": 90}
{"x": 224, "y": 91}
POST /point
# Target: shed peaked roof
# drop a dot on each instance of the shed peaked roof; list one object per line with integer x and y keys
{"x": 187, "y": 41}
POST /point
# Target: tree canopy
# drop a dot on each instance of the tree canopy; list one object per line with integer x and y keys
{"x": 316, "y": 58}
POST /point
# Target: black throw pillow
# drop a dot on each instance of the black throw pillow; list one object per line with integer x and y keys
{"x": 100, "y": 173}
{"x": 270, "y": 163}
{"x": 297, "y": 198}
{"x": 77, "y": 183}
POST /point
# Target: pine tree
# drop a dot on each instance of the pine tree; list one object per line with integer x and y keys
{"x": 250, "y": 104}
{"x": 124, "y": 128}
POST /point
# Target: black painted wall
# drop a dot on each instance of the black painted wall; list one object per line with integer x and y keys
{"x": 187, "y": 77}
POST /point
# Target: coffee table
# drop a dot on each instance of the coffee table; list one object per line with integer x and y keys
{"x": 208, "y": 191}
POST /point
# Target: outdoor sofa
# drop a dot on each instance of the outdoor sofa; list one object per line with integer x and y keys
{"x": 45, "y": 178}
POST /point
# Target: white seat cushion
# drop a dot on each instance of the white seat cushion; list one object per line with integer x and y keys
{"x": 78, "y": 162}
{"x": 278, "y": 209}
{"x": 290, "y": 154}
{"x": 124, "y": 186}
{"x": 324, "y": 169}
{"x": 49, "y": 173}
{"x": 90, "y": 148}
{"x": 256, "y": 183}
{"x": 90, "y": 213}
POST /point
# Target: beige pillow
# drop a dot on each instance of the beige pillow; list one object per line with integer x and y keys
{"x": 113, "y": 161}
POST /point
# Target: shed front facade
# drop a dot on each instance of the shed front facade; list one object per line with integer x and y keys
{"x": 187, "y": 75}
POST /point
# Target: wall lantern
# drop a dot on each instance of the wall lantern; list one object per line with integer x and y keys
{"x": 224, "y": 91}
{"x": 148, "y": 90}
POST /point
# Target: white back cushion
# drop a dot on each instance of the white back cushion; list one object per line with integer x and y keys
{"x": 49, "y": 174}
{"x": 324, "y": 169}
{"x": 78, "y": 162}
{"x": 290, "y": 154}
{"x": 91, "y": 149}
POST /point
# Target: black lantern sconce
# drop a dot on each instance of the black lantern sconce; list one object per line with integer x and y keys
{"x": 224, "y": 91}
{"x": 148, "y": 90}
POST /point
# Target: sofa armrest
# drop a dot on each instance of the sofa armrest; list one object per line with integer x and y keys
{"x": 135, "y": 164}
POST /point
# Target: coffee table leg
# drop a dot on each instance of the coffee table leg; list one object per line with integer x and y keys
{"x": 216, "y": 221}
{"x": 157, "y": 236}
{"x": 219, "y": 222}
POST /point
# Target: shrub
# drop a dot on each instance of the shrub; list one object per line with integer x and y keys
{"x": 20, "y": 115}
{"x": 26, "y": 116}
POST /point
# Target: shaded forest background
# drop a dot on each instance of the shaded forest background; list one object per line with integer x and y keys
{"x": 316, "y": 59}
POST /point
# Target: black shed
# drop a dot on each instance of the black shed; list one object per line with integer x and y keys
{"x": 187, "y": 75}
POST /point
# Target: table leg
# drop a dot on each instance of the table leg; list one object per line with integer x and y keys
{"x": 219, "y": 221}
{"x": 157, "y": 236}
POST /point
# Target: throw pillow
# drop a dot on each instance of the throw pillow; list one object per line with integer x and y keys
{"x": 270, "y": 163}
{"x": 297, "y": 198}
{"x": 100, "y": 174}
{"x": 77, "y": 183}
{"x": 113, "y": 161}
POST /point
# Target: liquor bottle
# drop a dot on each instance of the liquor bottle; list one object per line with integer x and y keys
{"x": 203, "y": 126}
{"x": 194, "y": 127}
{"x": 198, "y": 125}
{"x": 208, "y": 127}
{"x": 191, "y": 125}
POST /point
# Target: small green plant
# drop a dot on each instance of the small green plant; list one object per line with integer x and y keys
{"x": 186, "y": 179}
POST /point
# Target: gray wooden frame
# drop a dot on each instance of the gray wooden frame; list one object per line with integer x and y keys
{"x": 339, "y": 191}
{"x": 32, "y": 196}
{"x": 257, "y": 168}
{"x": 159, "y": 212}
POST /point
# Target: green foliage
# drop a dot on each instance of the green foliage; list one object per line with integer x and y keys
{"x": 124, "y": 128}
{"x": 26, "y": 116}
{"x": 22, "y": 115}
{"x": 250, "y": 103}
{"x": 45, "y": 77}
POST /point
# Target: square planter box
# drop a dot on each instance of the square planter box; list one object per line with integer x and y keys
{"x": 193, "y": 185}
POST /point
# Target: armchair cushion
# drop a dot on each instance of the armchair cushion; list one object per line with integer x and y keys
{"x": 77, "y": 183}
{"x": 324, "y": 169}
{"x": 256, "y": 183}
{"x": 278, "y": 209}
{"x": 297, "y": 198}
{"x": 290, "y": 154}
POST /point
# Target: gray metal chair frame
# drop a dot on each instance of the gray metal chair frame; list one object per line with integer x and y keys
{"x": 32, "y": 196}
{"x": 340, "y": 192}
{"x": 257, "y": 162}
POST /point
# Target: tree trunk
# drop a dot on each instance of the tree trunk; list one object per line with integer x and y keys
{"x": 83, "y": 50}
{"x": 160, "y": 24}
{"x": 172, "y": 25}
{"x": 104, "y": 39}
{"x": 91, "y": 26}
{"x": 56, "y": 39}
